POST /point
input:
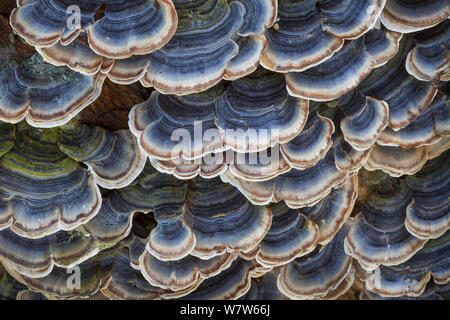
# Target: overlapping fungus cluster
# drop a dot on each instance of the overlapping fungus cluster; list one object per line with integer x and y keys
{"x": 358, "y": 196}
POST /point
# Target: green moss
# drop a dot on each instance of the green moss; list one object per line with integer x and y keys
{"x": 200, "y": 14}
{"x": 76, "y": 234}
{"x": 72, "y": 125}
{"x": 7, "y": 137}
{"x": 290, "y": 3}
{"x": 389, "y": 191}
{"x": 38, "y": 66}
{"x": 9, "y": 287}
{"x": 47, "y": 136}
{"x": 143, "y": 224}
{"x": 9, "y": 60}
{"x": 80, "y": 141}
{"x": 36, "y": 153}
{"x": 327, "y": 110}
{"x": 101, "y": 246}
{"x": 263, "y": 78}
{"x": 373, "y": 178}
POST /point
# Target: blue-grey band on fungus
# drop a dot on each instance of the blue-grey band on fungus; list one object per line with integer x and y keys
{"x": 127, "y": 27}
{"x": 44, "y": 95}
{"x": 42, "y": 190}
{"x": 379, "y": 236}
{"x": 309, "y": 32}
{"x": 317, "y": 273}
{"x": 429, "y": 59}
{"x": 407, "y": 16}
{"x": 410, "y": 278}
